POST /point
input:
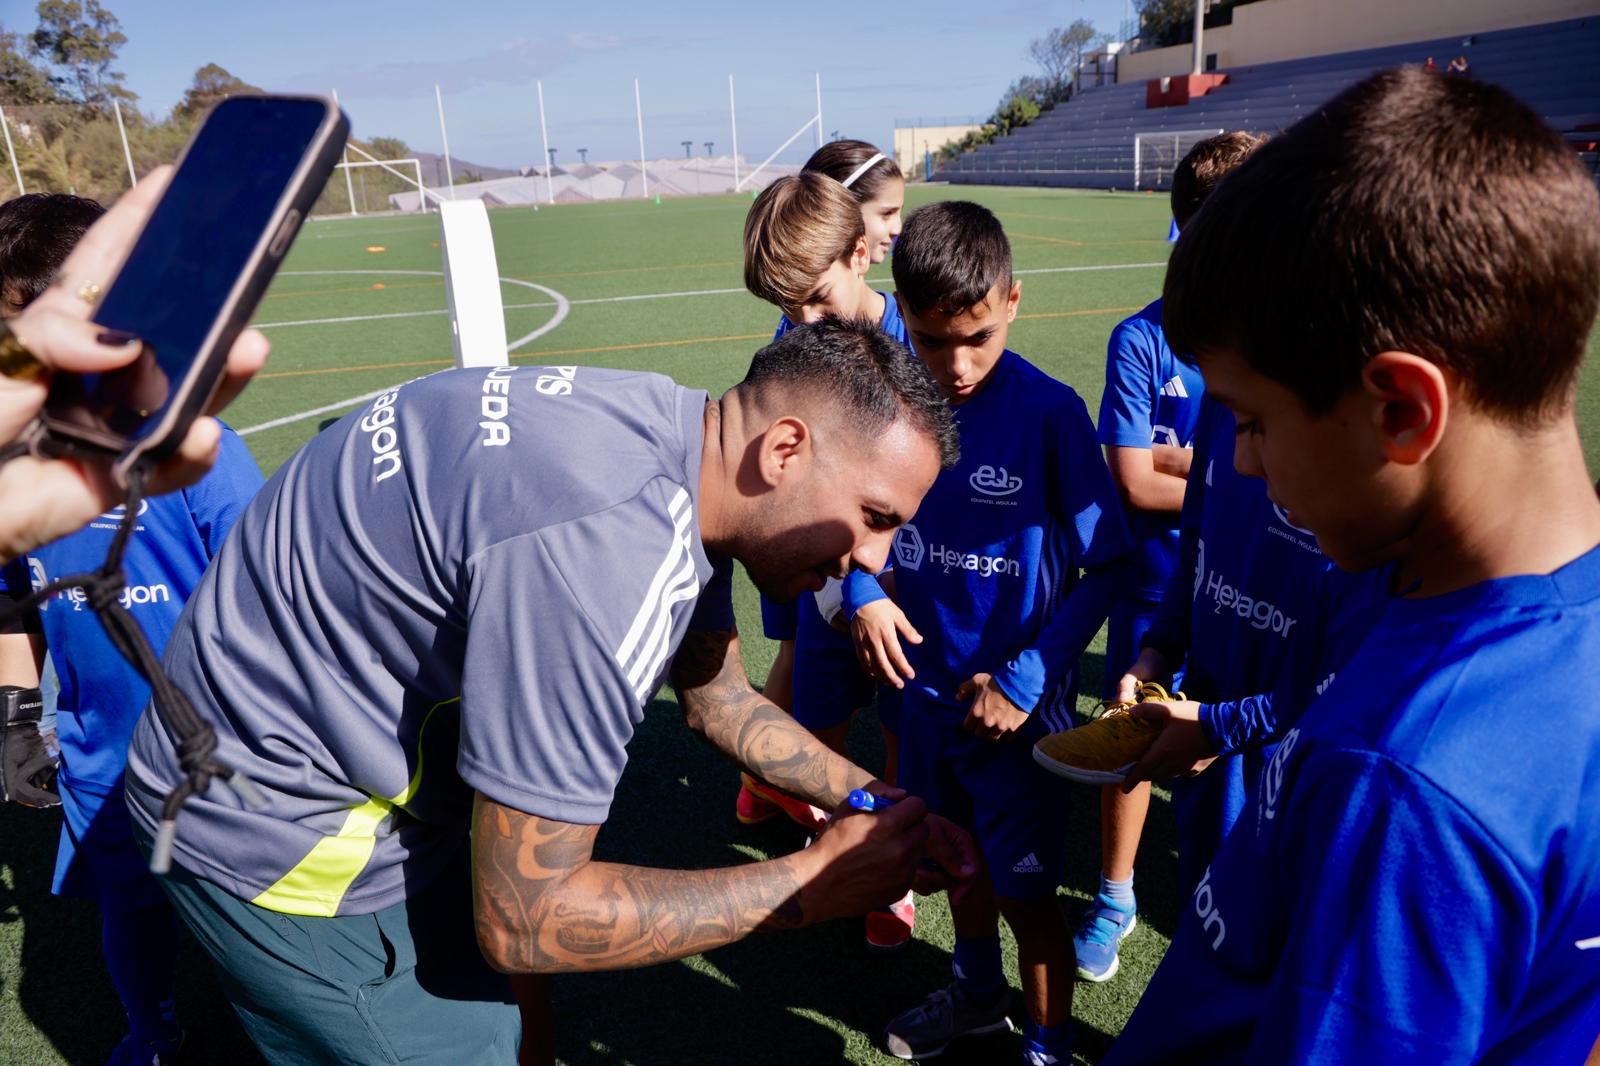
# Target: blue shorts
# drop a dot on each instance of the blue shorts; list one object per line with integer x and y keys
{"x": 829, "y": 684}
{"x": 1013, "y": 807}
{"x": 778, "y": 620}
{"x": 98, "y": 858}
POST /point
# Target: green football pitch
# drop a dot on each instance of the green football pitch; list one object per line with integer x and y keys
{"x": 358, "y": 308}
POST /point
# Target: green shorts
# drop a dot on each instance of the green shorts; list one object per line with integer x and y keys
{"x": 404, "y": 984}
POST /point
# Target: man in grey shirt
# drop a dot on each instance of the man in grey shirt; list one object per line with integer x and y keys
{"x": 449, "y": 611}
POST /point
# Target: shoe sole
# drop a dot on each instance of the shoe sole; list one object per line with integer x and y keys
{"x": 1003, "y": 1023}
{"x": 1116, "y": 960}
{"x": 1078, "y": 773}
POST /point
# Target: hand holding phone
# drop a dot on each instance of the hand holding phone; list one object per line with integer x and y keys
{"x": 193, "y": 277}
{"x": 42, "y": 499}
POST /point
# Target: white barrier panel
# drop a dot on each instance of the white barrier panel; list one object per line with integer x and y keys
{"x": 472, "y": 283}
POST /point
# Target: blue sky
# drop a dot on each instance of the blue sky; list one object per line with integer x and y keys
{"x": 878, "y": 63}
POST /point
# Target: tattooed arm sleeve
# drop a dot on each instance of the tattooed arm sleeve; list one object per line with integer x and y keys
{"x": 542, "y": 906}
{"x": 719, "y": 704}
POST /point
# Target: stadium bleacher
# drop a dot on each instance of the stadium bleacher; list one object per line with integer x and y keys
{"x": 1089, "y": 142}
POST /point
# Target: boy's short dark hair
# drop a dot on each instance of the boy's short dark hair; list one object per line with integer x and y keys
{"x": 1207, "y": 163}
{"x": 37, "y": 233}
{"x": 840, "y": 159}
{"x": 1437, "y": 216}
{"x": 871, "y": 378}
{"x": 951, "y": 255}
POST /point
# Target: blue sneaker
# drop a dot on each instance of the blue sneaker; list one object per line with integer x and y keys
{"x": 1104, "y": 927}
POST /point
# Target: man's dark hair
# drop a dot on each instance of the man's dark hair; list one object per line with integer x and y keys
{"x": 950, "y": 256}
{"x": 872, "y": 379}
{"x": 37, "y": 232}
{"x": 1411, "y": 213}
{"x": 1207, "y": 163}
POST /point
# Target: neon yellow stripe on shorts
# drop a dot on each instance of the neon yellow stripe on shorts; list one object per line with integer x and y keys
{"x": 317, "y": 883}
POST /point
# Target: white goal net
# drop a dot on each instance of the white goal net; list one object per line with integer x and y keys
{"x": 1157, "y": 155}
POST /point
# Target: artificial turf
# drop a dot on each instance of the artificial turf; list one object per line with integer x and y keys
{"x": 654, "y": 287}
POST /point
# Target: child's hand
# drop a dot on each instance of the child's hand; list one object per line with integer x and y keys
{"x": 992, "y": 715}
{"x": 1151, "y": 666}
{"x": 877, "y": 629}
{"x": 1181, "y": 750}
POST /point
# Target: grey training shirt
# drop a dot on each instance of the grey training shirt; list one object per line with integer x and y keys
{"x": 474, "y": 583}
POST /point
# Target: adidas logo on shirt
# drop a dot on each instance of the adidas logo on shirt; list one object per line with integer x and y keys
{"x": 1175, "y": 388}
{"x": 1028, "y": 865}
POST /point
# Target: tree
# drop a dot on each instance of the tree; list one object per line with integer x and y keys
{"x": 389, "y": 148}
{"x": 211, "y": 83}
{"x": 1059, "y": 54}
{"x": 1164, "y": 22}
{"x": 80, "y": 39}
{"x": 24, "y": 83}
{"x": 1018, "y": 111}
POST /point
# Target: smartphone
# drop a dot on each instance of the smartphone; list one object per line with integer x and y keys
{"x": 194, "y": 276}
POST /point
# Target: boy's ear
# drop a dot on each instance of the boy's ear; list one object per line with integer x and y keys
{"x": 861, "y": 257}
{"x": 1412, "y": 404}
{"x": 1013, "y": 299}
{"x": 785, "y": 444}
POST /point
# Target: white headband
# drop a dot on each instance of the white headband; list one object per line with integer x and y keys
{"x": 862, "y": 169}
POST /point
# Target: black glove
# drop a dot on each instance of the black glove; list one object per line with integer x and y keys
{"x": 27, "y": 769}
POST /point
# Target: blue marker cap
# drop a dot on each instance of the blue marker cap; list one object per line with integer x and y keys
{"x": 862, "y": 800}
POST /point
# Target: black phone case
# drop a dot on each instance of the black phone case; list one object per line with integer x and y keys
{"x": 55, "y": 436}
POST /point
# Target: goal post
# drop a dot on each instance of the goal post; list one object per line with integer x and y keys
{"x": 390, "y": 166}
{"x": 1157, "y": 155}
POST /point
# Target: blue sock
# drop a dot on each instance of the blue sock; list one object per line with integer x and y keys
{"x": 1047, "y": 1045}
{"x": 1118, "y": 892}
{"x": 141, "y": 949}
{"x": 977, "y": 967}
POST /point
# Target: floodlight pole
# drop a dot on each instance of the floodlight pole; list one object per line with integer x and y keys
{"x": 820, "y": 109}
{"x": 544, "y": 137}
{"x": 583, "y": 156}
{"x": 133, "y": 178}
{"x": 449, "y": 177}
{"x": 733, "y": 116}
{"x": 638, "y": 111}
{"x": 344, "y": 157}
{"x": 1199, "y": 34}
{"x": 686, "y": 146}
{"x": 710, "y": 145}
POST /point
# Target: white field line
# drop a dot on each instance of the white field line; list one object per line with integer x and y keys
{"x": 605, "y": 299}
{"x": 562, "y": 305}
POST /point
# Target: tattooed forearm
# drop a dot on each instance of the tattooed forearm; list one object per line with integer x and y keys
{"x": 719, "y": 704}
{"x": 541, "y": 905}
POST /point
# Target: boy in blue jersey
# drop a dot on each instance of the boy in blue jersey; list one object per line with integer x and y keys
{"x": 1148, "y": 415}
{"x": 102, "y": 695}
{"x": 1419, "y": 877}
{"x": 990, "y": 603}
{"x": 807, "y": 251}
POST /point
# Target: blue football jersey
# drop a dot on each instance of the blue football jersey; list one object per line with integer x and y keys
{"x": 1151, "y": 397}
{"x": 1418, "y": 879}
{"x": 1244, "y": 588}
{"x": 176, "y": 536}
{"x": 997, "y": 545}
{"x": 890, "y": 322}
{"x": 1246, "y": 580}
